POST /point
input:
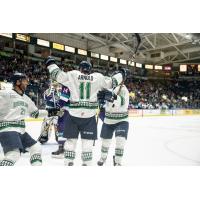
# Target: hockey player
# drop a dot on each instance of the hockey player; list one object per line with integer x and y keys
{"x": 84, "y": 87}
{"x": 62, "y": 115}
{"x": 116, "y": 120}
{"x": 14, "y": 107}
{"x": 51, "y": 98}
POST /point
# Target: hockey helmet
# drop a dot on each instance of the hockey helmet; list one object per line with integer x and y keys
{"x": 18, "y": 76}
{"x": 85, "y": 66}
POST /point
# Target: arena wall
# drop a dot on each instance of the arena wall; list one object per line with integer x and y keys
{"x": 142, "y": 113}
{"x": 146, "y": 113}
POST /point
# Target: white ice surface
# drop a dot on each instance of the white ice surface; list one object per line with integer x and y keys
{"x": 173, "y": 140}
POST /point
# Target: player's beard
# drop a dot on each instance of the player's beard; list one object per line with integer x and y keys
{"x": 21, "y": 88}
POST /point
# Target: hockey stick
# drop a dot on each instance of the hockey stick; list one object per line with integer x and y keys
{"x": 98, "y": 112}
{"x": 120, "y": 88}
{"x": 137, "y": 35}
{"x": 136, "y": 49}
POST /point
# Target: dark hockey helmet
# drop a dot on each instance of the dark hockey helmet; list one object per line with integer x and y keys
{"x": 85, "y": 66}
{"x": 17, "y": 76}
{"x": 125, "y": 73}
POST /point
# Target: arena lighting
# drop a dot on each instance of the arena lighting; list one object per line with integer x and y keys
{"x": 9, "y": 35}
{"x": 43, "y": 42}
{"x": 131, "y": 63}
{"x": 22, "y": 37}
{"x": 198, "y": 68}
{"x": 158, "y": 67}
{"x": 104, "y": 57}
{"x": 58, "y": 46}
{"x": 82, "y": 52}
{"x": 122, "y": 61}
{"x": 139, "y": 65}
{"x": 148, "y": 66}
{"x": 94, "y": 55}
{"x": 167, "y": 68}
{"x": 183, "y": 68}
{"x": 113, "y": 59}
{"x": 70, "y": 49}
{"x": 188, "y": 36}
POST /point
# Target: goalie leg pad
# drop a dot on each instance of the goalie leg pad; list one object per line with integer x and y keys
{"x": 10, "y": 158}
{"x": 44, "y": 135}
{"x": 55, "y": 125}
{"x": 61, "y": 139}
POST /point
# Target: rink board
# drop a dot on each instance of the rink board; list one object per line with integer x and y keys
{"x": 148, "y": 113}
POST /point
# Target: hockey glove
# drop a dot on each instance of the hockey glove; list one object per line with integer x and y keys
{"x": 109, "y": 95}
{"x": 101, "y": 95}
{"x": 49, "y": 61}
{"x": 101, "y": 99}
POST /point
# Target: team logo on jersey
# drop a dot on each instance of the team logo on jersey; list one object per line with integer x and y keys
{"x": 65, "y": 90}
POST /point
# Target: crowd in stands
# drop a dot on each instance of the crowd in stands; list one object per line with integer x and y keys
{"x": 165, "y": 94}
{"x": 144, "y": 94}
{"x": 37, "y": 73}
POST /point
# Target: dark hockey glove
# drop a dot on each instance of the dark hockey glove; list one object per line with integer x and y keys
{"x": 100, "y": 95}
{"x": 109, "y": 95}
{"x": 49, "y": 61}
{"x": 101, "y": 98}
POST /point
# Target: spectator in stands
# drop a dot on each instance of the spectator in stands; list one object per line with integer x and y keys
{"x": 144, "y": 94}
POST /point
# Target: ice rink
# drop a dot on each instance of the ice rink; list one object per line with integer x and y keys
{"x": 173, "y": 140}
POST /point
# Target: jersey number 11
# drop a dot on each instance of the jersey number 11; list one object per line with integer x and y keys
{"x": 85, "y": 90}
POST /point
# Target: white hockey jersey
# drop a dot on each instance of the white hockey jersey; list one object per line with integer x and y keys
{"x": 118, "y": 110}
{"x": 13, "y": 110}
{"x": 83, "y": 88}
